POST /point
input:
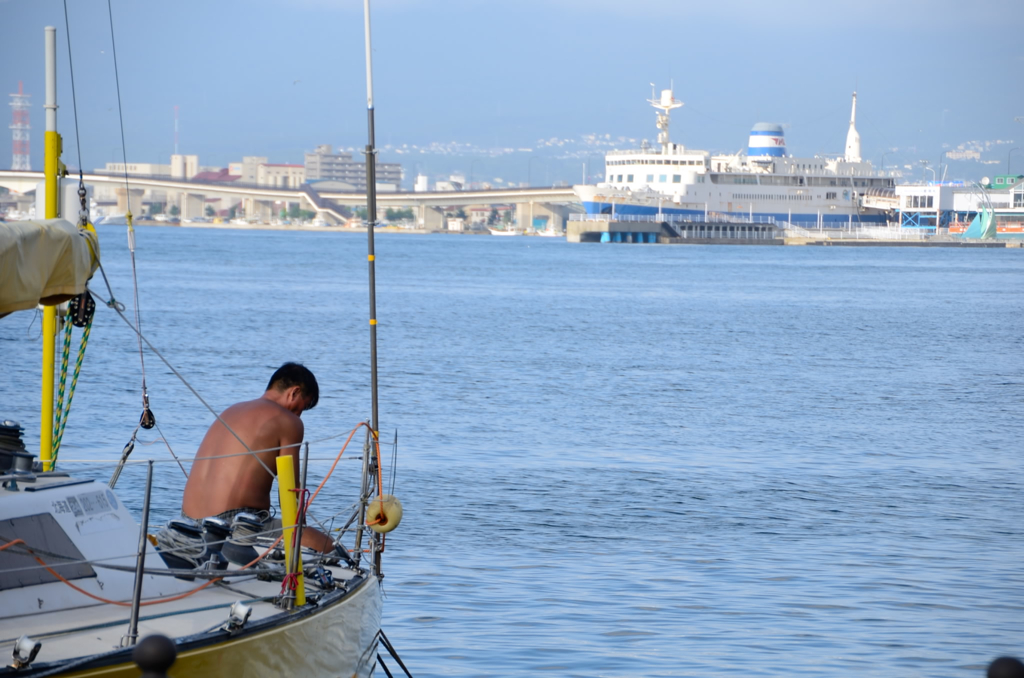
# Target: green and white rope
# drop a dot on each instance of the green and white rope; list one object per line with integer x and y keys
{"x": 62, "y": 413}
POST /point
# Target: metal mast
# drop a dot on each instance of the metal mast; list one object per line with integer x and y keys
{"x": 20, "y": 126}
{"x": 371, "y": 219}
{"x": 371, "y": 463}
{"x": 664, "y": 105}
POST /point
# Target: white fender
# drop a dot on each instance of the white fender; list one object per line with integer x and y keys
{"x": 384, "y": 513}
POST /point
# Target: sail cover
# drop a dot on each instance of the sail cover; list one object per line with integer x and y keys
{"x": 44, "y": 262}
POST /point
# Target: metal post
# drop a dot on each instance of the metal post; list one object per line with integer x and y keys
{"x": 364, "y": 498}
{"x": 140, "y": 564}
{"x": 371, "y": 217}
{"x": 371, "y": 208}
{"x": 301, "y": 505}
{"x": 51, "y": 175}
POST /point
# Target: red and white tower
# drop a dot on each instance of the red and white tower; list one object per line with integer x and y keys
{"x": 20, "y": 130}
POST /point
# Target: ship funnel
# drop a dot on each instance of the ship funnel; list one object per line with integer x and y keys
{"x": 767, "y": 140}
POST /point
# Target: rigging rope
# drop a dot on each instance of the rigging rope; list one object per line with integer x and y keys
{"x": 83, "y": 212}
{"x": 147, "y": 420}
{"x": 118, "y": 308}
{"x": 168, "y": 444}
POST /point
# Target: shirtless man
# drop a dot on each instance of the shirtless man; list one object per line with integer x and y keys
{"x": 224, "y": 487}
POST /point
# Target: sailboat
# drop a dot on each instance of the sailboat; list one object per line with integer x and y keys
{"x": 81, "y": 582}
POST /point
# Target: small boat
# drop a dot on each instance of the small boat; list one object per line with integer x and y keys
{"x": 503, "y": 231}
{"x": 81, "y": 580}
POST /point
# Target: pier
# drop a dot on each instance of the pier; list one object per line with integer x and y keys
{"x": 661, "y": 229}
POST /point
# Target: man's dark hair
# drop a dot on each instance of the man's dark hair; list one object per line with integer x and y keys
{"x": 294, "y": 374}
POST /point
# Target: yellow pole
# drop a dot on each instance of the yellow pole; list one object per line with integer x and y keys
{"x": 289, "y": 518}
{"x": 51, "y": 171}
{"x": 46, "y": 412}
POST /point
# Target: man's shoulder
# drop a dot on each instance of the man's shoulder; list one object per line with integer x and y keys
{"x": 260, "y": 406}
{"x": 276, "y": 415}
{"x": 266, "y": 416}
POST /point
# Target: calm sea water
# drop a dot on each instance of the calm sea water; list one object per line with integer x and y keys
{"x": 617, "y": 460}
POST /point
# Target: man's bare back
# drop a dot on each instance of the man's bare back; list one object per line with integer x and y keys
{"x": 226, "y": 476}
{"x": 240, "y": 481}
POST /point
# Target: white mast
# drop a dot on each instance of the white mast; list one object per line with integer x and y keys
{"x": 664, "y": 105}
{"x": 853, "y": 137}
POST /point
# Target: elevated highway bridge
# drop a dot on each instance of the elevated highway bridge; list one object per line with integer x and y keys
{"x": 259, "y": 201}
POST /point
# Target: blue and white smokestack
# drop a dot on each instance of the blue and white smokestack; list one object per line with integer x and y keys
{"x": 767, "y": 139}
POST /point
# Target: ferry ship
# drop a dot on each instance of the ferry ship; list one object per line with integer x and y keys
{"x": 764, "y": 184}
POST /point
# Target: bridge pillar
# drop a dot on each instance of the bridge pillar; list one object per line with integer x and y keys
{"x": 136, "y": 202}
{"x": 264, "y": 210}
{"x": 430, "y": 218}
{"x": 540, "y": 215}
{"x": 191, "y": 205}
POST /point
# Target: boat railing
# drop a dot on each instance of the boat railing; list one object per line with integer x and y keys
{"x": 657, "y": 151}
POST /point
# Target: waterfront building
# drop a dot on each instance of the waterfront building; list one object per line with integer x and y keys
{"x": 938, "y": 207}
{"x": 250, "y": 167}
{"x": 324, "y": 164}
{"x": 184, "y": 166}
{"x": 148, "y": 169}
{"x": 277, "y": 175}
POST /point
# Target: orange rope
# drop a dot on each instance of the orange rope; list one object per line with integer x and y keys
{"x": 380, "y": 477}
{"x": 335, "y": 464}
{"x": 155, "y": 601}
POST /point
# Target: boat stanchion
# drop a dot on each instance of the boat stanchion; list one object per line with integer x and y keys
{"x": 364, "y": 498}
{"x": 140, "y": 563}
{"x": 301, "y": 504}
{"x": 289, "y": 516}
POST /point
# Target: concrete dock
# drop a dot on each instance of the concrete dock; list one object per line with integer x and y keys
{"x": 672, "y": 233}
{"x": 649, "y": 230}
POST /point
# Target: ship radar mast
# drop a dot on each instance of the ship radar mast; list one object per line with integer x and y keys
{"x": 664, "y": 106}
{"x": 853, "y": 137}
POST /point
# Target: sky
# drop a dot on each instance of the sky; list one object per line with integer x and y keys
{"x": 461, "y": 78}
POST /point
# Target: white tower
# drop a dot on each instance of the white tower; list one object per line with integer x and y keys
{"x": 20, "y": 127}
{"x": 853, "y": 137}
{"x": 664, "y": 105}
